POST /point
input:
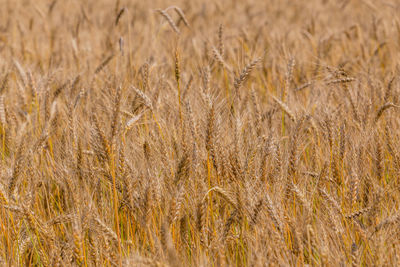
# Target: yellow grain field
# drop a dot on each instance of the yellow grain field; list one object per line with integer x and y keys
{"x": 199, "y": 133}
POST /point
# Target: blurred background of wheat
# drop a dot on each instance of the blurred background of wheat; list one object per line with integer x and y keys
{"x": 208, "y": 133}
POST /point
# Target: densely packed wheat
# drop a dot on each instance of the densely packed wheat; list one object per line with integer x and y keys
{"x": 203, "y": 133}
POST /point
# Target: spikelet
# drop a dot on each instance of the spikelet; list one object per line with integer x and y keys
{"x": 103, "y": 64}
{"x": 206, "y": 80}
{"x": 21, "y": 72}
{"x": 181, "y": 15}
{"x": 225, "y": 195}
{"x": 183, "y": 168}
{"x": 354, "y": 256}
{"x": 18, "y": 162}
{"x": 147, "y": 205}
{"x": 210, "y": 130}
{"x": 168, "y": 246}
{"x": 302, "y": 198}
{"x": 352, "y": 103}
{"x": 2, "y": 112}
{"x": 342, "y": 143}
{"x": 379, "y": 159}
{"x": 187, "y": 88}
{"x": 331, "y": 201}
{"x": 272, "y": 213}
{"x": 221, "y": 48}
{"x": 176, "y": 206}
{"x": 293, "y": 148}
{"x": 115, "y": 116}
{"x": 144, "y": 97}
{"x": 23, "y": 244}
{"x": 119, "y": 15}
{"x": 99, "y": 138}
{"x": 303, "y": 86}
{"x": 220, "y": 59}
{"x": 257, "y": 112}
{"x": 60, "y": 89}
{"x": 245, "y": 73}
{"x": 358, "y": 213}
{"x": 229, "y": 222}
{"x": 131, "y": 122}
{"x": 77, "y": 242}
{"x": 340, "y": 81}
{"x": 285, "y": 108}
{"x": 256, "y": 211}
{"x": 79, "y": 160}
{"x": 388, "y": 91}
{"x": 382, "y": 109}
{"x": 169, "y": 20}
{"x": 177, "y": 68}
{"x": 121, "y": 45}
{"x": 289, "y": 74}
{"x": 145, "y": 74}
{"x": 104, "y": 229}
{"x": 4, "y": 83}
{"x": 201, "y": 219}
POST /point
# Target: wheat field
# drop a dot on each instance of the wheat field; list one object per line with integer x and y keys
{"x": 199, "y": 133}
